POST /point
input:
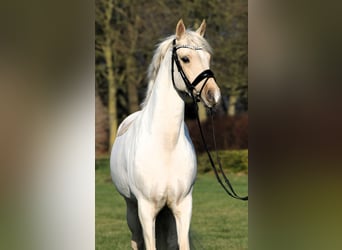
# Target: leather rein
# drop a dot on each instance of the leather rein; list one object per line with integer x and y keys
{"x": 191, "y": 88}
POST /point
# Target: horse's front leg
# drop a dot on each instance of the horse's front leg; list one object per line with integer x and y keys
{"x": 147, "y": 215}
{"x": 182, "y": 213}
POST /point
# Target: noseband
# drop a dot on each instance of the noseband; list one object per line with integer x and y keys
{"x": 191, "y": 87}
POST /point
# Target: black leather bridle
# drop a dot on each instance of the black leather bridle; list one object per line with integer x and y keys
{"x": 191, "y": 88}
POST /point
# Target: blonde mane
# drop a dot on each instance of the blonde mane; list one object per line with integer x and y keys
{"x": 191, "y": 37}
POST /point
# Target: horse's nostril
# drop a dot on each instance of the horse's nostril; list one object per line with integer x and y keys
{"x": 211, "y": 97}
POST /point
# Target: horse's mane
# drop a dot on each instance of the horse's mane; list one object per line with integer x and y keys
{"x": 192, "y": 38}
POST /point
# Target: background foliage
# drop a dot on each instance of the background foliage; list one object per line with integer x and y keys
{"x": 126, "y": 34}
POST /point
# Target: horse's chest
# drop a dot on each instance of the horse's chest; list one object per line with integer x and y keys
{"x": 165, "y": 178}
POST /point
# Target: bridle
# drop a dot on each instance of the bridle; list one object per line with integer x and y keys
{"x": 191, "y": 88}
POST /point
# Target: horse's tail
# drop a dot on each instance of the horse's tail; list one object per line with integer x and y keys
{"x": 166, "y": 231}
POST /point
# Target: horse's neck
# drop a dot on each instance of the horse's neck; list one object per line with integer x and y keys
{"x": 165, "y": 109}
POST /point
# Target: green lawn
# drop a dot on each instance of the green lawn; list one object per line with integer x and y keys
{"x": 218, "y": 221}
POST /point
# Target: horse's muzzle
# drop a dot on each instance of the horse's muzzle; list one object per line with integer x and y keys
{"x": 211, "y": 94}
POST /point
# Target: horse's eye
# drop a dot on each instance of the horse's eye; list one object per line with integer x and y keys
{"x": 185, "y": 59}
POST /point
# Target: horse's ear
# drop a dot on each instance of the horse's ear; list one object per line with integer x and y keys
{"x": 201, "y": 29}
{"x": 180, "y": 29}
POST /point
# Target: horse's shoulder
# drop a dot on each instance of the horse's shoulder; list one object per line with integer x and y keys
{"x": 126, "y": 123}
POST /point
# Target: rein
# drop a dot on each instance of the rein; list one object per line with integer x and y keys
{"x": 231, "y": 191}
{"x": 206, "y": 74}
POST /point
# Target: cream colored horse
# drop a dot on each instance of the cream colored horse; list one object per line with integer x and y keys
{"x": 153, "y": 162}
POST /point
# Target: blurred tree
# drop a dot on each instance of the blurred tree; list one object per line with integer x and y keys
{"x": 228, "y": 34}
{"x": 101, "y": 127}
{"x": 128, "y": 30}
{"x": 105, "y": 36}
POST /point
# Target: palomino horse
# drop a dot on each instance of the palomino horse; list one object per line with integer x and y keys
{"x": 153, "y": 162}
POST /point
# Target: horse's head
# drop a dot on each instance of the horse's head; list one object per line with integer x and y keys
{"x": 191, "y": 56}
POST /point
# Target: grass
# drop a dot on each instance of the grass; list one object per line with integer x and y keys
{"x": 235, "y": 161}
{"x": 218, "y": 221}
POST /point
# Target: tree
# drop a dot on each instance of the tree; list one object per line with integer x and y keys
{"x": 229, "y": 38}
{"x": 128, "y": 30}
{"x": 105, "y": 38}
